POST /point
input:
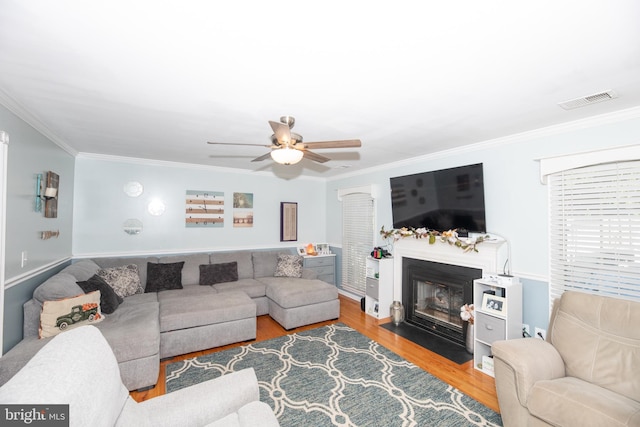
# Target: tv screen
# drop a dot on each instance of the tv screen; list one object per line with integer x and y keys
{"x": 440, "y": 200}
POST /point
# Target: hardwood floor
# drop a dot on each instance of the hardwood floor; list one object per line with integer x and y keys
{"x": 470, "y": 381}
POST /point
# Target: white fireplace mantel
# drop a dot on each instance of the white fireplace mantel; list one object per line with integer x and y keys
{"x": 490, "y": 258}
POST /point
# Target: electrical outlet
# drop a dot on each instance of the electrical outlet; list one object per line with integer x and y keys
{"x": 23, "y": 262}
{"x": 541, "y": 333}
{"x": 526, "y": 332}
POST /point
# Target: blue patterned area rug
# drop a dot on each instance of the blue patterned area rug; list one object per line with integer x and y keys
{"x": 335, "y": 376}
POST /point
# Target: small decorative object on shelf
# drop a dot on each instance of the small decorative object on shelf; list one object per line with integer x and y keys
{"x": 379, "y": 253}
{"x": 323, "y": 248}
{"x": 311, "y": 250}
{"x": 450, "y": 236}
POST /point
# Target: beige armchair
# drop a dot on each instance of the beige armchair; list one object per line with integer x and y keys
{"x": 587, "y": 372}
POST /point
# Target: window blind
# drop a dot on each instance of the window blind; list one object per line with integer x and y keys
{"x": 357, "y": 240}
{"x": 595, "y": 230}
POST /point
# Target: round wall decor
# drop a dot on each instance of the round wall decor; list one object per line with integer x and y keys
{"x": 133, "y": 189}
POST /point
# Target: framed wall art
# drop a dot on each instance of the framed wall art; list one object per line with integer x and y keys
{"x": 288, "y": 221}
{"x": 243, "y": 210}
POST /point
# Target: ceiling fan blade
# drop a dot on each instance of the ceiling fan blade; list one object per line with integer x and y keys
{"x": 238, "y": 143}
{"x": 261, "y": 158}
{"x": 347, "y": 143}
{"x": 282, "y": 131}
{"x": 315, "y": 157}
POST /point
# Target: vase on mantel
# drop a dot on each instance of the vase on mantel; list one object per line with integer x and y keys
{"x": 469, "y": 340}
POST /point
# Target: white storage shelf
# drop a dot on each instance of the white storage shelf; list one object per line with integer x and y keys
{"x": 379, "y": 292}
{"x": 494, "y": 325}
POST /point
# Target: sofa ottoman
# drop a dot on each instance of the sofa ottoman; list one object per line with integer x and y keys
{"x": 297, "y": 302}
{"x": 190, "y": 322}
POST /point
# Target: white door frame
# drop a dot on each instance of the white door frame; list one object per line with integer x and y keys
{"x": 4, "y": 148}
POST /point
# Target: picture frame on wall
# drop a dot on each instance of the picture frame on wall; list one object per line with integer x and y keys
{"x": 494, "y": 304}
{"x": 288, "y": 221}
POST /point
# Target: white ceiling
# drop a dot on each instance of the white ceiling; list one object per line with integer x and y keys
{"x": 158, "y": 79}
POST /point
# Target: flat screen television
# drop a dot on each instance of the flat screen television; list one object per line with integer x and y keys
{"x": 440, "y": 200}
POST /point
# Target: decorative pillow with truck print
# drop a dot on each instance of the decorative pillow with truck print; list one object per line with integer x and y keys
{"x": 61, "y": 315}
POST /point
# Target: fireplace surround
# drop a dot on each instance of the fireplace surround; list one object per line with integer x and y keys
{"x": 434, "y": 280}
{"x": 432, "y": 294}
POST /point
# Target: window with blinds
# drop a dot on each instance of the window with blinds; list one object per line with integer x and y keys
{"x": 595, "y": 230}
{"x": 357, "y": 240}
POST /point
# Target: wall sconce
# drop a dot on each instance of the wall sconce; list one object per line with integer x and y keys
{"x": 156, "y": 207}
{"x": 47, "y": 191}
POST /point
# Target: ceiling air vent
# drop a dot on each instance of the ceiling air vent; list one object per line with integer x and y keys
{"x": 588, "y": 100}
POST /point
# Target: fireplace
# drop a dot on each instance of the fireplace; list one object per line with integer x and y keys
{"x": 432, "y": 294}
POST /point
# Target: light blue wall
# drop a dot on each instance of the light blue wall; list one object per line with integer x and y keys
{"x": 516, "y": 200}
{"x": 102, "y": 206}
{"x": 31, "y": 153}
{"x": 92, "y": 195}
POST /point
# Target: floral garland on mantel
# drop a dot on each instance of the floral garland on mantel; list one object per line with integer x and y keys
{"x": 450, "y": 237}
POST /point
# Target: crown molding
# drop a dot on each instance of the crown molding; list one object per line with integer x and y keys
{"x": 193, "y": 166}
{"x": 22, "y": 113}
{"x": 586, "y": 123}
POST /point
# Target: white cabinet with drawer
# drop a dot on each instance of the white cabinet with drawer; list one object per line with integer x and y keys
{"x": 323, "y": 265}
{"x": 498, "y": 308}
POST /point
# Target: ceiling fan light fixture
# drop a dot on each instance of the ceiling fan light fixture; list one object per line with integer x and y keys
{"x": 286, "y": 156}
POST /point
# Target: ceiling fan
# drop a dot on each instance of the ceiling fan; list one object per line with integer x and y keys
{"x": 287, "y": 147}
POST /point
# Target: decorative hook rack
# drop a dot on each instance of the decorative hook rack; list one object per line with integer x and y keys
{"x": 45, "y": 235}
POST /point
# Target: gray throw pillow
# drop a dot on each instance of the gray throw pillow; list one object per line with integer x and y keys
{"x": 289, "y": 266}
{"x": 124, "y": 280}
{"x": 210, "y": 274}
{"x": 109, "y": 300}
{"x": 162, "y": 277}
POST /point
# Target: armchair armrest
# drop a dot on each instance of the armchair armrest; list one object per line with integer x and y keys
{"x": 530, "y": 360}
{"x": 203, "y": 403}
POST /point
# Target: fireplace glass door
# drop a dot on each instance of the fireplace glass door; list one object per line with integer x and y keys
{"x": 439, "y": 302}
{"x": 433, "y": 294}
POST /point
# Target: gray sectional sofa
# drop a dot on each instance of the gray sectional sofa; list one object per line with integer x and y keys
{"x": 150, "y": 326}
{"x": 51, "y": 377}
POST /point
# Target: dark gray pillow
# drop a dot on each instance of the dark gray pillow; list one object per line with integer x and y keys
{"x": 109, "y": 300}
{"x": 162, "y": 277}
{"x": 210, "y": 274}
